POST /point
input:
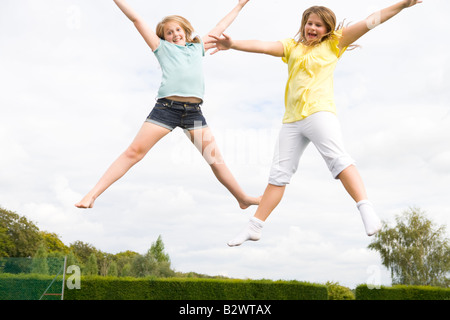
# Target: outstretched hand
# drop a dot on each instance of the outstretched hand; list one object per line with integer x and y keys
{"x": 218, "y": 43}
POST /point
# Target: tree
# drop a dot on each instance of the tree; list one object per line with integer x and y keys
{"x": 141, "y": 266}
{"x": 39, "y": 263}
{"x": 124, "y": 261}
{"x": 53, "y": 243}
{"x": 126, "y": 270}
{"x": 415, "y": 250}
{"x": 91, "y": 267}
{"x": 20, "y": 239}
{"x": 6, "y": 243}
{"x": 112, "y": 269}
{"x": 157, "y": 251}
{"x": 72, "y": 260}
{"x": 154, "y": 263}
{"x": 160, "y": 259}
{"x": 18, "y": 236}
{"x": 82, "y": 251}
{"x": 104, "y": 261}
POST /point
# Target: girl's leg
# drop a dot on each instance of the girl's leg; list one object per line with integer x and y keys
{"x": 147, "y": 137}
{"x": 352, "y": 182}
{"x": 271, "y": 198}
{"x": 325, "y": 133}
{"x": 206, "y": 144}
{"x": 290, "y": 146}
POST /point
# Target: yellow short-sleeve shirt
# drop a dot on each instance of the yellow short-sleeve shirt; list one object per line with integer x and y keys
{"x": 309, "y": 87}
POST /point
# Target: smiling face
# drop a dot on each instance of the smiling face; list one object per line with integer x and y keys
{"x": 315, "y": 29}
{"x": 174, "y": 33}
{"x": 177, "y": 30}
{"x": 318, "y": 24}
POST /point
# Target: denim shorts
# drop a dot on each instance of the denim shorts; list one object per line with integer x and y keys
{"x": 171, "y": 114}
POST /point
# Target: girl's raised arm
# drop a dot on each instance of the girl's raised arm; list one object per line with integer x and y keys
{"x": 146, "y": 32}
{"x": 273, "y": 48}
{"x": 357, "y": 30}
{"x": 224, "y": 23}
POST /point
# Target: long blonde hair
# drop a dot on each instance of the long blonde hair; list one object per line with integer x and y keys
{"x": 183, "y": 22}
{"x": 329, "y": 19}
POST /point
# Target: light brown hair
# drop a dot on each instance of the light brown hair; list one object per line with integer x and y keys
{"x": 329, "y": 19}
{"x": 183, "y": 22}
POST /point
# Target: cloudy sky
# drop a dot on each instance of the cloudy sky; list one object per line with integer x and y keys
{"x": 77, "y": 81}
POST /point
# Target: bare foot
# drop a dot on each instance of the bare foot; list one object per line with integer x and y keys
{"x": 86, "y": 203}
{"x": 249, "y": 201}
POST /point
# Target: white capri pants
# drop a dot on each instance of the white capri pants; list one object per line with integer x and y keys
{"x": 324, "y": 131}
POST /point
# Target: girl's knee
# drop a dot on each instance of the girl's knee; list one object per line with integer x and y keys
{"x": 214, "y": 158}
{"x": 211, "y": 153}
{"x": 340, "y": 164}
{"x": 135, "y": 153}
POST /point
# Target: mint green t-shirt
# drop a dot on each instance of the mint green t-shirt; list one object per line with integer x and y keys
{"x": 182, "y": 69}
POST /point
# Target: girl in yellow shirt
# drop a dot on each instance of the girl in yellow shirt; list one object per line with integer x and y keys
{"x": 310, "y": 114}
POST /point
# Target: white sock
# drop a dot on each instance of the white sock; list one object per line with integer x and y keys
{"x": 251, "y": 232}
{"x": 370, "y": 219}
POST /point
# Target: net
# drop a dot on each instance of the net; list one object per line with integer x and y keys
{"x": 32, "y": 279}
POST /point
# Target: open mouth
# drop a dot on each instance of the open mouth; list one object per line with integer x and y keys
{"x": 178, "y": 39}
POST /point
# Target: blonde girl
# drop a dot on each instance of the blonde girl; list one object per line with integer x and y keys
{"x": 179, "y": 100}
{"x": 310, "y": 114}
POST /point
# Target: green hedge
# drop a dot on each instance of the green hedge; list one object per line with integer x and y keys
{"x": 32, "y": 286}
{"x": 24, "y": 287}
{"x": 105, "y": 288}
{"x": 402, "y": 293}
{"x": 29, "y": 287}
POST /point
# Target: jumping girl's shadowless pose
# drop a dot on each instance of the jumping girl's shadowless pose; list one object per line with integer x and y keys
{"x": 310, "y": 108}
{"x": 179, "y": 100}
